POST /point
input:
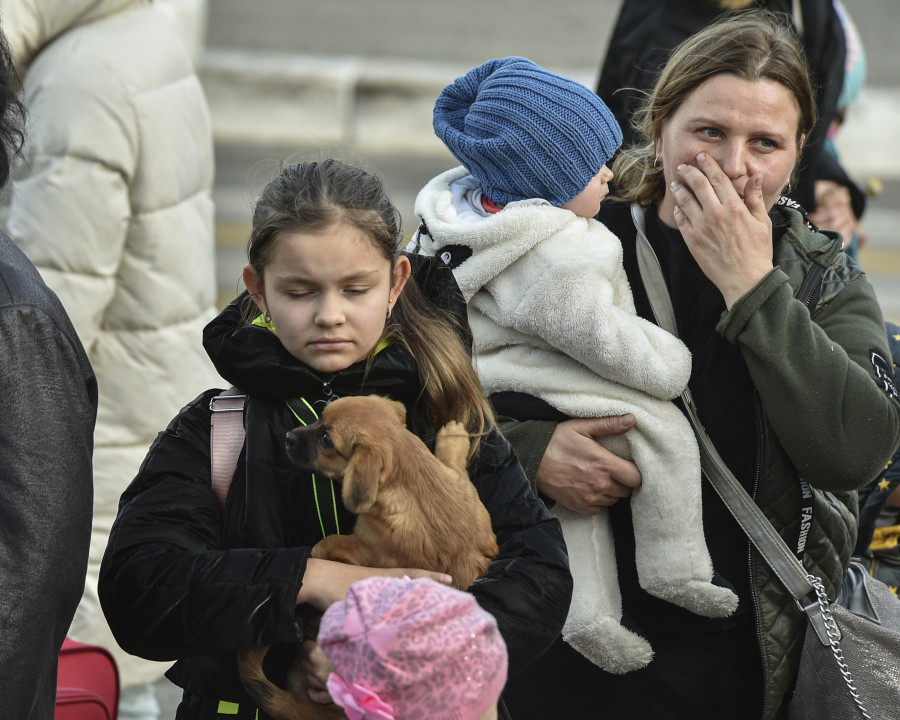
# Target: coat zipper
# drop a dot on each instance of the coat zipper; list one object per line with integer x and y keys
{"x": 808, "y": 292}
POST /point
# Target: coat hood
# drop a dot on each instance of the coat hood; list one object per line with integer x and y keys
{"x": 252, "y": 358}
{"x": 30, "y": 25}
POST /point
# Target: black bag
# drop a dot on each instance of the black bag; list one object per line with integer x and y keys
{"x": 857, "y": 675}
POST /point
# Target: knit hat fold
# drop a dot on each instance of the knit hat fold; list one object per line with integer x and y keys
{"x": 524, "y": 132}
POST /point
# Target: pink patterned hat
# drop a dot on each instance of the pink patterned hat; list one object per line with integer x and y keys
{"x": 409, "y": 649}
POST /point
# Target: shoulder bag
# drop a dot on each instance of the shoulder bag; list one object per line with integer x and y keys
{"x": 850, "y": 663}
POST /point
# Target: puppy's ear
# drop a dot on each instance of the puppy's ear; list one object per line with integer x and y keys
{"x": 400, "y": 409}
{"x": 366, "y": 471}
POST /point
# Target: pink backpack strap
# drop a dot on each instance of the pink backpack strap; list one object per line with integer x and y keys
{"x": 226, "y": 438}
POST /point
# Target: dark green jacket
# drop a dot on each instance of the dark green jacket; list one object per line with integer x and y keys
{"x": 827, "y": 412}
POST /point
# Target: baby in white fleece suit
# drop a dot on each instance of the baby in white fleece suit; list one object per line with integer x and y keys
{"x": 553, "y": 317}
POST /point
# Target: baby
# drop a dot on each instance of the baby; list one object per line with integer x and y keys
{"x": 555, "y": 329}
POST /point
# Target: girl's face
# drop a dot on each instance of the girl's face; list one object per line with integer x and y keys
{"x": 328, "y": 294}
{"x": 586, "y": 204}
{"x": 749, "y": 128}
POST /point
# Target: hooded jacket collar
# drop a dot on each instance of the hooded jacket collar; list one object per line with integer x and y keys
{"x": 253, "y": 359}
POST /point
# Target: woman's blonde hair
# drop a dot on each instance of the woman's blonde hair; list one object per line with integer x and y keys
{"x": 314, "y": 196}
{"x": 752, "y": 45}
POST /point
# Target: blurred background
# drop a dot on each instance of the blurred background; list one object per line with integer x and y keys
{"x": 296, "y": 79}
{"x": 289, "y": 80}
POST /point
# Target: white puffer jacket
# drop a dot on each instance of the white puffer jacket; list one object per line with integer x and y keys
{"x": 113, "y": 204}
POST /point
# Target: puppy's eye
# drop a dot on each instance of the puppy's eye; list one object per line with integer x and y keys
{"x": 325, "y": 441}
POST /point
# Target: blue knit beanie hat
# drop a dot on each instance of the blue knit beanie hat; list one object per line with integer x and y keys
{"x": 524, "y": 132}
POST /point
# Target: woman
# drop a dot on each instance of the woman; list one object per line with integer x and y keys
{"x": 646, "y": 31}
{"x": 786, "y": 395}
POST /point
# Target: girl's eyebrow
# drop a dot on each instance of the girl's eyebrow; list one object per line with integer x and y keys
{"x": 362, "y": 275}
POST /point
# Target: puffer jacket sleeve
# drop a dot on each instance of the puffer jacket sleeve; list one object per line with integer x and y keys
{"x": 826, "y": 383}
{"x": 167, "y": 586}
{"x": 528, "y": 586}
{"x": 80, "y": 158}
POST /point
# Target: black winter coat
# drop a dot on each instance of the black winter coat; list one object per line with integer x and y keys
{"x": 49, "y": 398}
{"x": 181, "y": 580}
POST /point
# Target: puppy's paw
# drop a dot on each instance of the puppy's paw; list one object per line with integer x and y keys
{"x": 319, "y": 551}
{"x": 451, "y": 446}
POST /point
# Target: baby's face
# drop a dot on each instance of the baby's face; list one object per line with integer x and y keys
{"x": 586, "y": 204}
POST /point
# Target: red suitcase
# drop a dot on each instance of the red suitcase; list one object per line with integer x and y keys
{"x": 87, "y": 686}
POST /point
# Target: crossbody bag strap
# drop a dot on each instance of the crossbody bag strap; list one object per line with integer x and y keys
{"x": 226, "y": 438}
{"x": 748, "y": 514}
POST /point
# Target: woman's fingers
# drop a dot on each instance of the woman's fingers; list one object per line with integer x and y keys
{"x": 753, "y": 199}
{"x": 728, "y": 234}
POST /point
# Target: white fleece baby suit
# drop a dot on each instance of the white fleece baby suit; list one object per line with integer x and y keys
{"x": 553, "y": 316}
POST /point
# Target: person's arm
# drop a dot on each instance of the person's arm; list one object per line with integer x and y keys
{"x": 528, "y": 586}
{"x": 46, "y": 441}
{"x": 829, "y": 400}
{"x": 893, "y": 500}
{"x": 70, "y": 212}
{"x": 168, "y": 587}
{"x": 567, "y": 465}
{"x": 832, "y": 405}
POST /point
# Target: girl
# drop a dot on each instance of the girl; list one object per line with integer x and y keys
{"x": 333, "y": 309}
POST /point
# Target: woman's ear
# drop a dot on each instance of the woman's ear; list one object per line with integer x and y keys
{"x": 400, "y": 275}
{"x": 255, "y": 285}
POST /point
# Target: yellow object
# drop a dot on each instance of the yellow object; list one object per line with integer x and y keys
{"x": 874, "y": 186}
{"x": 885, "y": 538}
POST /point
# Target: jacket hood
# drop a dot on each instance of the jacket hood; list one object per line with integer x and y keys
{"x": 252, "y": 358}
{"x": 30, "y": 25}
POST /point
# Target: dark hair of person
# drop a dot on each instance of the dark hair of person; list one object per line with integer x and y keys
{"x": 12, "y": 113}
{"x": 315, "y": 196}
{"x": 752, "y": 45}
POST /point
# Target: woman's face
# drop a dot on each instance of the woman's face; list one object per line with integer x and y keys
{"x": 328, "y": 294}
{"x": 749, "y": 128}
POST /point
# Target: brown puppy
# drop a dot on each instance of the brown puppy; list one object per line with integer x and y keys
{"x": 413, "y": 509}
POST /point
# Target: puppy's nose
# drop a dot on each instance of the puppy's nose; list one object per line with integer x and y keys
{"x": 290, "y": 441}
